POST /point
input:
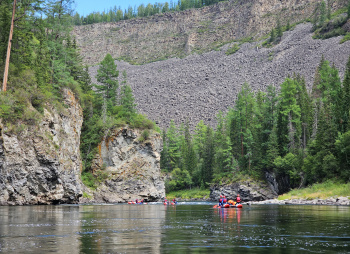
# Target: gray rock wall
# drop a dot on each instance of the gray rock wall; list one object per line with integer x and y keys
{"x": 132, "y": 166}
{"x": 178, "y": 34}
{"x": 248, "y": 191}
{"x": 41, "y": 165}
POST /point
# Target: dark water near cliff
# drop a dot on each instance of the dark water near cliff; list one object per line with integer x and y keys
{"x": 185, "y": 228}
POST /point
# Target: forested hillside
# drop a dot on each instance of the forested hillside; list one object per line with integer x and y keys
{"x": 300, "y": 136}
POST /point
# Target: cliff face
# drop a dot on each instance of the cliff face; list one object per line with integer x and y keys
{"x": 132, "y": 167}
{"x": 192, "y": 31}
{"x": 42, "y": 164}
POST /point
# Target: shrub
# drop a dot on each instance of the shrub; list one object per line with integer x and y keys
{"x": 232, "y": 50}
{"x": 145, "y": 134}
{"x": 345, "y": 38}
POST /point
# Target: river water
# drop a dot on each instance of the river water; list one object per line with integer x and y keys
{"x": 184, "y": 228}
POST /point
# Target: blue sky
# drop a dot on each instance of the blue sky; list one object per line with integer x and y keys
{"x": 85, "y": 7}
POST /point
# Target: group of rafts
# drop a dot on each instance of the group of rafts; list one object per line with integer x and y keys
{"x": 229, "y": 204}
{"x": 223, "y": 203}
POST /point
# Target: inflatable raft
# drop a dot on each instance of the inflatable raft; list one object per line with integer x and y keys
{"x": 134, "y": 203}
{"x": 229, "y": 206}
{"x": 171, "y": 203}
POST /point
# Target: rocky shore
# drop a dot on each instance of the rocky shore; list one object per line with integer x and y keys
{"x": 338, "y": 201}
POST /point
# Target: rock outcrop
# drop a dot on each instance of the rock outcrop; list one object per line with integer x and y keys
{"x": 248, "y": 190}
{"x": 131, "y": 165}
{"x": 41, "y": 164}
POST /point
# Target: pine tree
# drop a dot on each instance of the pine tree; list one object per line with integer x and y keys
{"x": 127, "y": 100}
{"x": 323, "y": 13}
{"x": 305, "y": 103}
{"x": 189, "y": 156}
{"x": 173, "y": 145}
{"x": 208, "y": 157}
{"x": 346, "y": 99}
{"x": 289, "y": 126}
{"x": 272, "y": 36}
{"x": 279, "y": 30}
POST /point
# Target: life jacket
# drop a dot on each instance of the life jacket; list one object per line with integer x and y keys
{"x": 238, "y": 199}
{"x": 225, "y": 200}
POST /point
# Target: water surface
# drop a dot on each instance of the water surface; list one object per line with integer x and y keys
{"x": 184, "y": 228}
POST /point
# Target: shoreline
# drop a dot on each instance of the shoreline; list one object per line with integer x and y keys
{"x": 339, "y": 201}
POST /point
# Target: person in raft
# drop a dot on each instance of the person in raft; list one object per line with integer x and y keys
{"x": 238, "y": 199}
{"x": 174, "y": 201}
{"x": 220, "y": 201}
{"x": 225, "y": 200}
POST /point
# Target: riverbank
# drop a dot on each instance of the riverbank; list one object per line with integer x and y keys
{"x": 338, "y": 201}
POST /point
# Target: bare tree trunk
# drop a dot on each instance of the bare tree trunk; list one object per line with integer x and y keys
{"x": 4, "y": 84}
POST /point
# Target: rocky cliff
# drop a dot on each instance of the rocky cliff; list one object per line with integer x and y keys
{"x": 177, "y": 34}
{"x": 41, "y": 164}
{"x": 131, "y": 167}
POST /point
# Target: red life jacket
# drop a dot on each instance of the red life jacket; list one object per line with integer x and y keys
{"x": 225, "y": 200}
{"x": 220, "y": 200}
{"x": 238, "y": 199}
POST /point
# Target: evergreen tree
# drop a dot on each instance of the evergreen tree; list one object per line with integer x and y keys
{"x": 345, "y": 91}
{"x": 279, "y": 30}
{"x": 189, "y": 156}
{"x": 306, "y": 113}
{"x": 164, "y": 154}
{"x": 323, "y": 13}
{"x": 289, "y": 127}
{"x": 173, "y": 145}
{"x": 208, "y": 158}
{"x": 272, "y": 36}
{"x": 107, "y": 75}
{"x": 127, "y": 100}
{"x": 288, "y": 25}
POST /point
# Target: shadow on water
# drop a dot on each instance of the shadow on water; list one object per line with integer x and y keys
{"x": 184, "y": 228}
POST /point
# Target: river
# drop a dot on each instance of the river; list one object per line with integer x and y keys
{"x": 184, "y": 228}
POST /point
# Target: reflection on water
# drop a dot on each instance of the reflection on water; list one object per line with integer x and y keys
{"x": 174, "y": 229}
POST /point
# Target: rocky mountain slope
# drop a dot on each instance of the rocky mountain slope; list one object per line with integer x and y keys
{"x": 198, "y": 86}
{"x": 178, "y": 34}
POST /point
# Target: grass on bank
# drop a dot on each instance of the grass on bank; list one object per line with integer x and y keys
{"x": 324, "y": 190}
{"x": 189, "y": 194}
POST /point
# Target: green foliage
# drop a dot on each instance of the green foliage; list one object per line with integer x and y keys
{"x": 180, "y": 179}
{"x": 94, "y": 180}
{"x": 232, "y": 49}
{"x": 325, "y": 29}
{"x": 116, "y": 13}
{"x": 86, "y": 195}
{"x": 194, "y": 193}
{"x": 327, "y": 189}
{"x": 144, "y": 135}
{"x": 89, "y": 180}
{"x": 107, "y": 75}
{"x": 345, "y": 38}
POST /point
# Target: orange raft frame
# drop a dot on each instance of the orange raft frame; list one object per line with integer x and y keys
{"x": 229, "y": 206}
